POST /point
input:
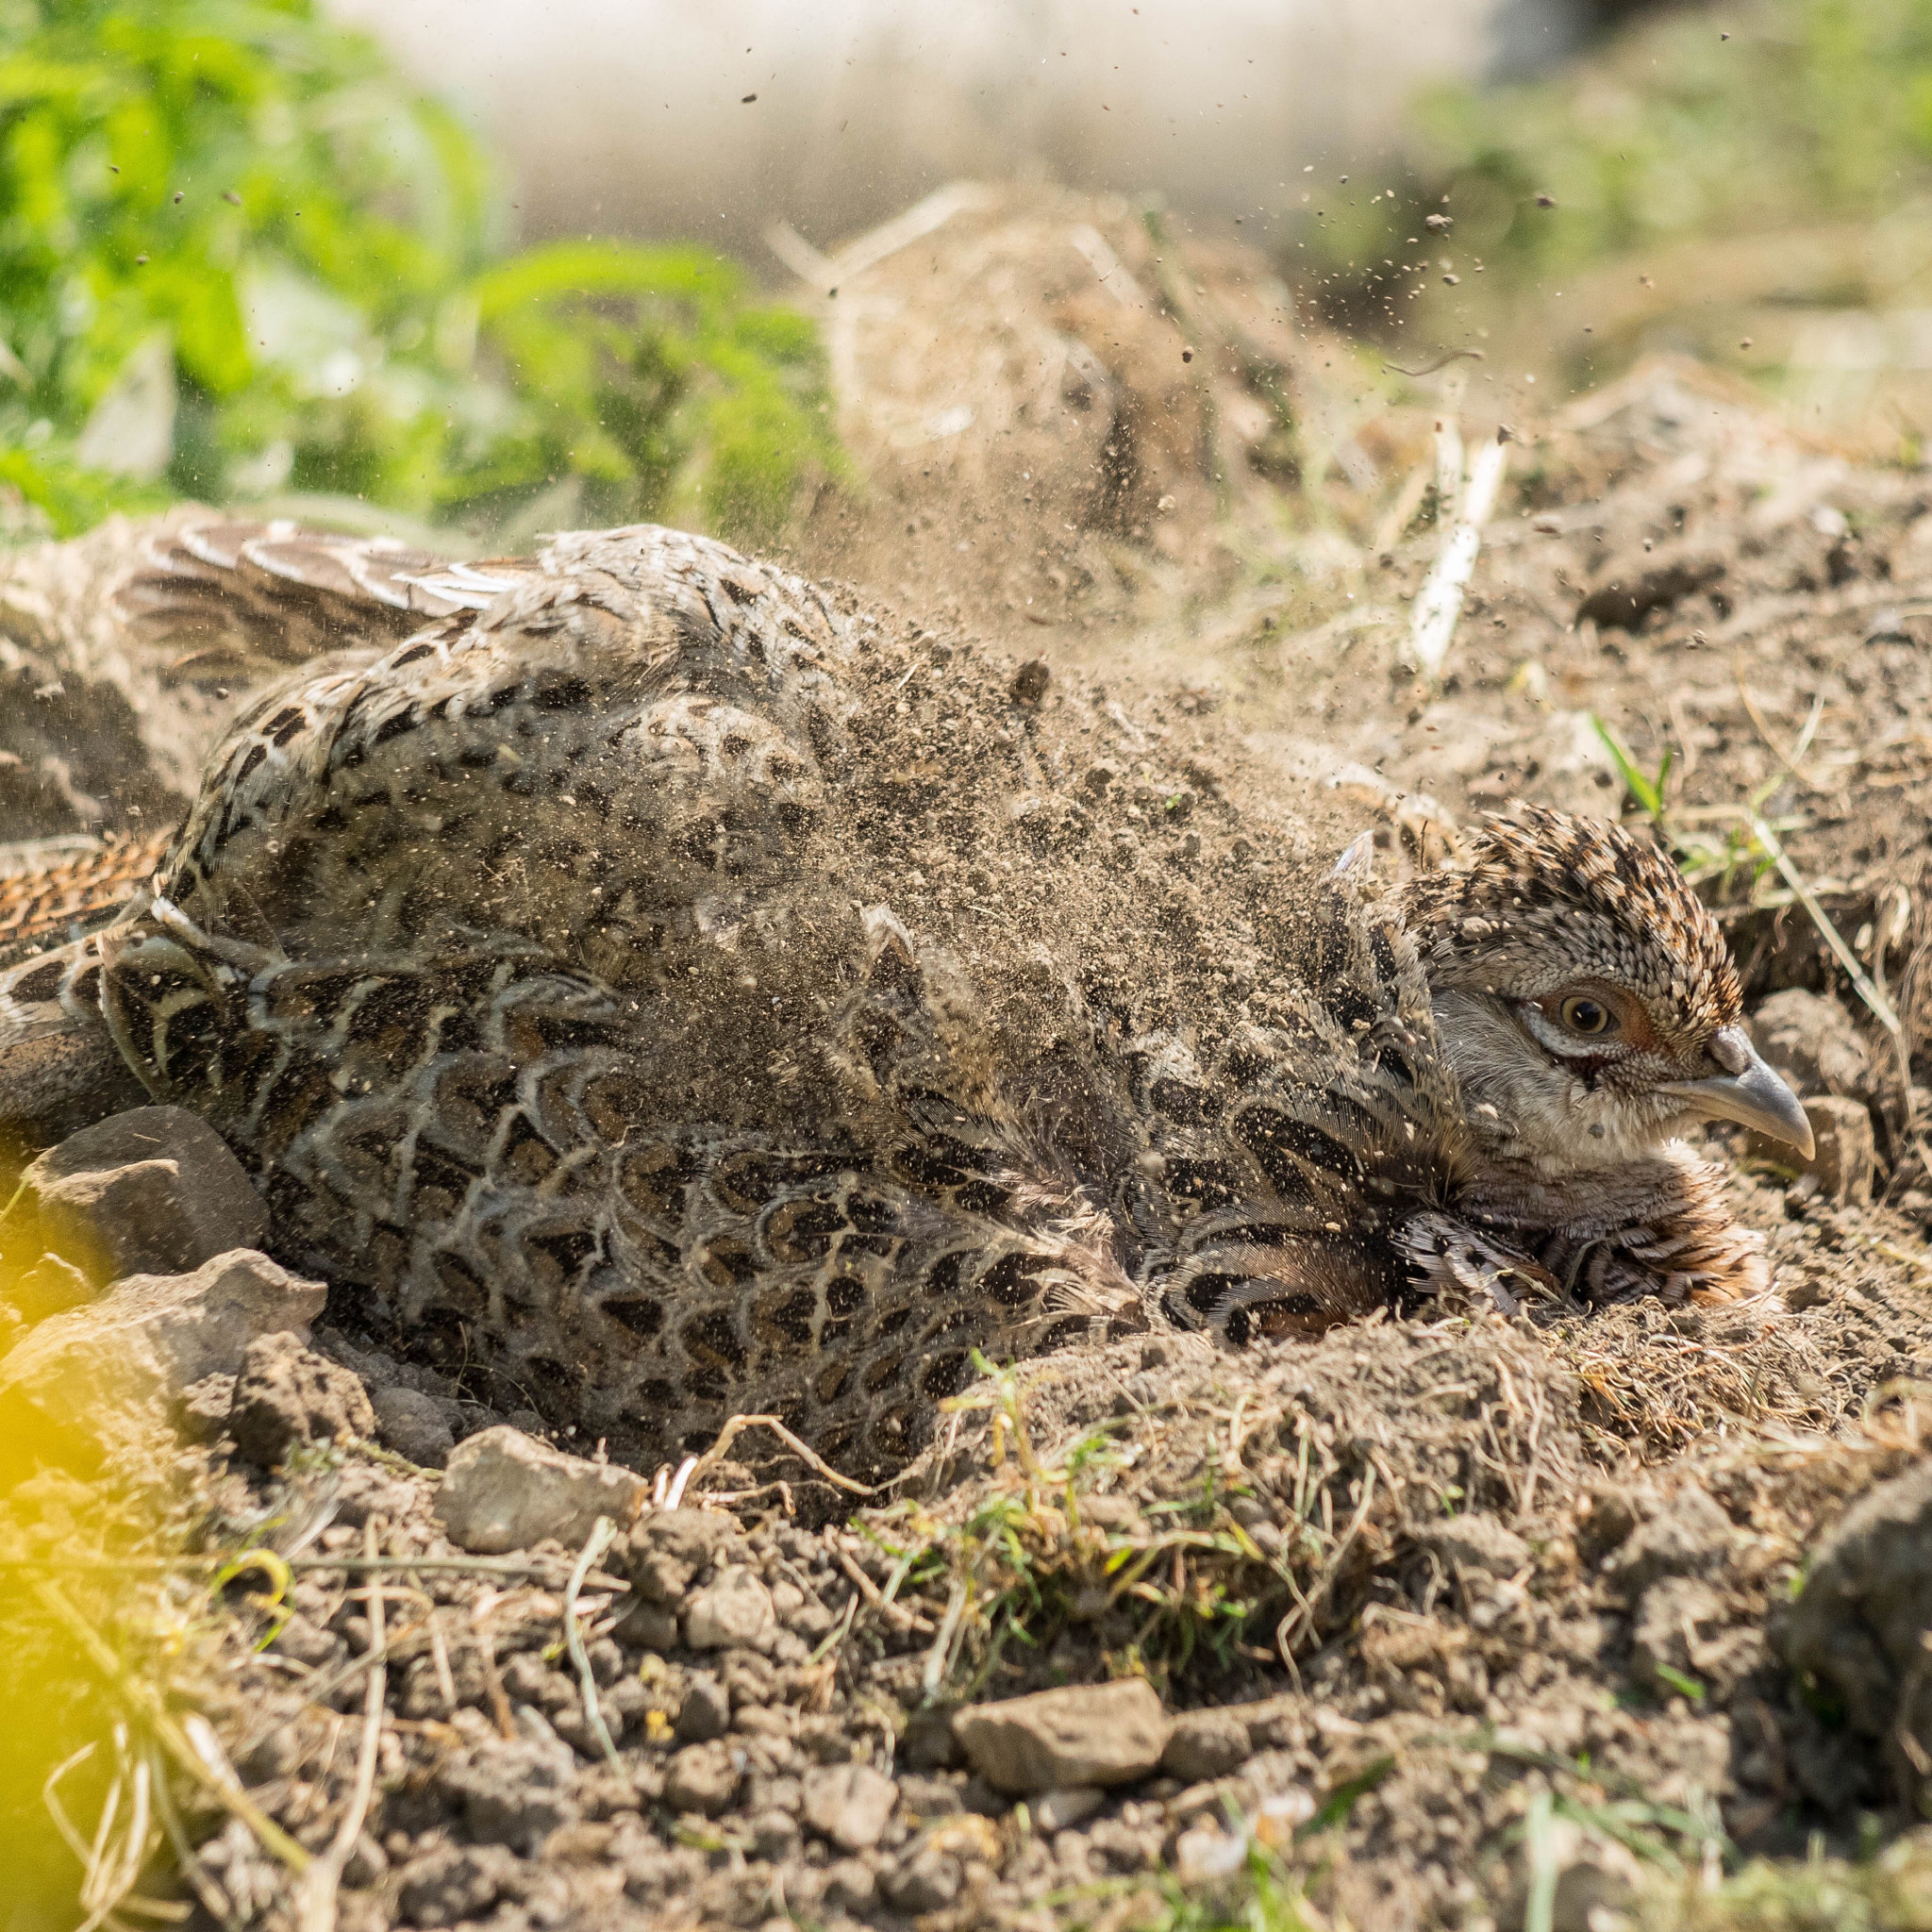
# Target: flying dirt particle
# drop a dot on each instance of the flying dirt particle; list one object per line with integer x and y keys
{"x": 1546, "y": 201}
{"x": 177, "y": 196}
{"x": 1187, "y": 355}
{"x": 228, "y": 194}
{"x": 1745, "y": 343}
{"x": 747, "y": 100}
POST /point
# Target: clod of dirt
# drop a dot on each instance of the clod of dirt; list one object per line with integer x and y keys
{"x": 1845, "y": 1152}
{"x": 1669, "y": 1632}
{"x": 1859, "y": 1626}
{"x": 1086, "y": 1734}
{"x": 152, "y": 1191}
{"x": 505, "y": 1490}
{"x": 849, "y": 1804}
{"x": 1623, "y": 602}
{"x": 733, "y": 1612}
{"x": 515, "y": 1793}
{"x": 453, "y": 1883}
{"x": 1688, "y": 1538}
{"x": 287, "y": 1393}
{"x": 1206, "y": 1744}
{"x": 1811, "y": 1042}
{"x": 414, "y": 1426}
{"x": 106, "y": 1376}
{"x": 1057, "y": 398}
{"x": 702, "y": 1779}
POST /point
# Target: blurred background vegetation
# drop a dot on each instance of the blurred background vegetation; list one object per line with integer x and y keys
{"x": 239, "y": 258}
{"x": 1751, "y": 184}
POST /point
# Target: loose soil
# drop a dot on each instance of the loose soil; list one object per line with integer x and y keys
{"x": 1454, "y": 1586}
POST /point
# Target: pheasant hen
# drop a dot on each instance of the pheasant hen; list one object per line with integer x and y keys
{"x": 651, "y": 987}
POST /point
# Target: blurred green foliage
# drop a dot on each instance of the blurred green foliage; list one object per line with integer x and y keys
{"x": 1701, "y": 122}
{"x": 238, "y": 256}
{"x": 1688, "y": 121}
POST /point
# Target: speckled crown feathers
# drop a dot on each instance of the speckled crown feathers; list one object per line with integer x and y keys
{"x": 1524, "y": 870}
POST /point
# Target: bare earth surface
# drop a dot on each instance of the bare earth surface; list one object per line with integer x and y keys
{"x": 1438, "y": 1606}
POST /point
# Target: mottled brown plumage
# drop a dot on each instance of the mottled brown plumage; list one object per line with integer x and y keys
{"x": 650, "y": 985}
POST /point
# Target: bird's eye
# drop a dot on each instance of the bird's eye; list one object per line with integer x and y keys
{"x": 1583, "y": 1015}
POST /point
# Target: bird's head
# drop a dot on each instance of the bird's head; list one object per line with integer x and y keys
{"x": 1585, "y": 997}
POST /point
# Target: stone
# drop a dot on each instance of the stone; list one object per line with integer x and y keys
{"x": 288, "y": 1395}
{"x": 504, "y": 1491}
{"x": 414, "y": 1426}
{"x": 1206, "y": 1744}
{"x": 847, "y": 1885}
{"x": 1811, "y": 1041}
{"x": 515, "y": 1791}
{"x": 669, "y": 1548}
{"x": 648, "y": 1627}
{"x": 154, "y": 1191}
{"x": 705, "y": 1712}
{"x": 1091, "y": 1733}
{"x": 1845, "y": 1154}
{"x": 702, "y": 1779}
{"x": 927, "y": 1797}
{"x": 733, "y": 1613}
{"x": 450, "y": 1884}
{"x": 1057, "y": 1810}
{"x": 928, "y": 1882}
{"x": 201, "y": 1409}
{"x": 1689, "y": 1536}
{"x": 106, "y": 1376}
{"x": 1476, "y": 1542}
{"x": 849, "y": 1804}
{"x": 774, "y": 1835}
{"x": 1668, "y": 1633}
{"x": 1858, "y": 1625}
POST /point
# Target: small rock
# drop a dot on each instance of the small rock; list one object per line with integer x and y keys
{"x": 1056, "y": 1810}
{"x": 1668, "y": 1632}
{"x": 847, "y": 1886}
{"x": 1858, "y": 1625}
{"x": 414, "y": 1426}
{"x": 1206, "y": 1744}
{"x": 515, "y": 1793}
{"x": 154, "y": 1191}
{"x": 1845, "y": 1154}
{"x": 707, "y": 1711}
{"x": 927, "y": 1798}
{"x": 929, "y": 1743}
{"x": 733, "y": 1613}
{"x": 287, "y": 1393}
{"x": 453, "y": 1883}
{"x": 702, "y": 1779}
{"x": 1094, "y": 1734}
{"x": 504, "y": 1491}
{"x": 1811, "y": 1041}
{"x": 105, "y": 1376}
{"x": 1476, "y": 1542}
{"x": 1030, "y": 683}
{"x": 1688, "y": 1536}
{"x": 201, "y": 1410}
{"x": 774, "y": 1835}
{"x": 669, "y": 1548}
{"x": 849, "y": 1804}
{"x": 929, "y": 1882}
{"x": 648, "y": 1627}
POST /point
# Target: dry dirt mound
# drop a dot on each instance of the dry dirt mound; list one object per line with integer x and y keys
{"x": 1064, "y": 406}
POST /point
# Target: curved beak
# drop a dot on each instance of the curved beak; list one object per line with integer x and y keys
{"x": 1748, "y": 1092}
